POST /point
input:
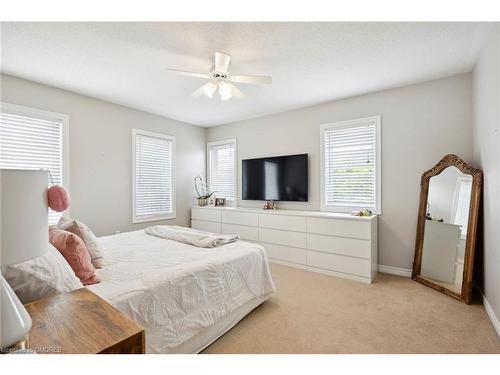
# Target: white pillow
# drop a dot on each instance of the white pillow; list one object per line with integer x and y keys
{"x": 81, "y": 230}
{"x": 42, "y": 276}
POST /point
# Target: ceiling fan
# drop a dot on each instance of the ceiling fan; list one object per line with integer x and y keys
{"x": 222, "y": 80}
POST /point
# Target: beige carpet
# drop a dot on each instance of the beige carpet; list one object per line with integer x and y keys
{"x": 315, "y": 313}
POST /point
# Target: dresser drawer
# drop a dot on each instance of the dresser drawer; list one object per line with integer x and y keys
{"x": 340, "y": 245}
{"x": 241, "y": 218}
{"x": 281, "y": 237}
{"x": 207, "y": 226}
{"x": 339, "y": 263}
{"x": 283, "y": 222}
{"x": 338, "y": 227}
{"x": 246, "y": 233}
{"x": 285, "y": 253}
{"x": 206, "y": 214}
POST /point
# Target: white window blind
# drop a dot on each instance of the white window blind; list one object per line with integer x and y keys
{"x": 351, "y": 165}
{"x": 32, "y": 140}
{"x": 222, "y": 169}
{"x": 154, "y": 187}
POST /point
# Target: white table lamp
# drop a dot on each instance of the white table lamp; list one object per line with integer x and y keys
{"x": 24, "y": 235}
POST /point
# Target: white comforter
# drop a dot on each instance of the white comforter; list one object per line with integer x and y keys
{"x": 176, "y": 291}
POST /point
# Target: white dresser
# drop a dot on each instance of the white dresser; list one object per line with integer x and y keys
{"x": 336, "y": 244}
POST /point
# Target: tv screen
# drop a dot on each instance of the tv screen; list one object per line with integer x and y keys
{"x": 279, "y": 178}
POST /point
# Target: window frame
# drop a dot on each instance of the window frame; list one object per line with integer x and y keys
{"x": 48, "y": 115}
{"x": 454, "y": 207}
{"x": 155, "y": 217}
{"x": 231, "y": 203}
{"x": 378, "y": 164}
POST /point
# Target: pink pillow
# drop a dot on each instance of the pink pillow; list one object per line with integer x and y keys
{"x": 58, "y": 198}
{"x": 81, "y": 230}
{"x": 75, "y": 252}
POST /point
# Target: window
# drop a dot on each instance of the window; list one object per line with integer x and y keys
{"x": 35, "y": 139}
{"x": 461, "y": 203}
{"x": 222, "y": 169}
{"x": 350, "y": 165}
{"x": 153, "y": 176}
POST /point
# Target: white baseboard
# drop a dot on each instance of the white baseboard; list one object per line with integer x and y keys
{"x": 491, "y": 315}
{"x": 381, "y": 268}
{"x": 394, "y": 270}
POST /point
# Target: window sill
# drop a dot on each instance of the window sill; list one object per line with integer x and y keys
{"x": 348, "y": 210}
{"x": 137, "y": 220}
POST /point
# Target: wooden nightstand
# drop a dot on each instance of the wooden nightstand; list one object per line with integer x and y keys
{"x": 81, "y": 322}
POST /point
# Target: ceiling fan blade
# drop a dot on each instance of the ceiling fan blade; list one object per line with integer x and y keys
{"x": 192, "y": 74}
{"x": 221, "y": 62}
{"x": 262, "y": 80}
{"x": 236, "y": 91}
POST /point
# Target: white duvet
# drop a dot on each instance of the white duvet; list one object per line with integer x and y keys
{"x": 176, "y": 291}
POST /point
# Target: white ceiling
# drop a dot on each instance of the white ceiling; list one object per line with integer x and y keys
{"x": 126, "y": 63}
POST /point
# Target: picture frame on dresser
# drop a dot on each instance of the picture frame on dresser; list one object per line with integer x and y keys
{"x": 220, "y": 202}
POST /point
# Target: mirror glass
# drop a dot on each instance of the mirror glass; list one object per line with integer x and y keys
{"x": 445, "y": 230}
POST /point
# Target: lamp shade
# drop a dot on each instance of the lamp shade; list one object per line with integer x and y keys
{"x": 24, "y": 218}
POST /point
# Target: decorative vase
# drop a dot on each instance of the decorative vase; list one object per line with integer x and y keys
{"x": 202, "y": 201}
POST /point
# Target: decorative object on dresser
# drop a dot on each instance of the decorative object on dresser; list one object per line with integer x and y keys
{"x": 444, "y": 247}
{"x": 24, "y": 236}
{"x": 211, "y": 201}
{"x": 80, "y": 322}
{"x": 201, "y": 190}
{"x": 270, "y": 205}
{"x": 220, "y": 202}
{"x": 336, "y": 244}
{"x": 366, "y": 212}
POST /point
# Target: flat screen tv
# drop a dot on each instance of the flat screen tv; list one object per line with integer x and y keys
{"x": 279, "y": 178}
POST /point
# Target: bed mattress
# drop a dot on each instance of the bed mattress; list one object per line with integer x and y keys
{"x": 184, "y": 296}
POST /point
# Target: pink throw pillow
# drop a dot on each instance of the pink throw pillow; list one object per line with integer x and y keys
{"x": 75, "y": 252}
{"x": 81, "y": 230}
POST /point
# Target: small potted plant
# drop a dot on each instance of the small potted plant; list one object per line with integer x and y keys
{"x": 203, "y": 199}
{"x": 201, "y": 190}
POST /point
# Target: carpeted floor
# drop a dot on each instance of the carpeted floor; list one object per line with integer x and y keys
{"x": 315, "y": 313}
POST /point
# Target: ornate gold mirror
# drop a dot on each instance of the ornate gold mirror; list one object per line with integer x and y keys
{"x": 446, "y": 227}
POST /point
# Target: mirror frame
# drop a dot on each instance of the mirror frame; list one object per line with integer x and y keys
{"x": 450, "y": 160}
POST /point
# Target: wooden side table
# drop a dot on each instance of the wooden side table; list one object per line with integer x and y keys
{"x": 81, "y": 322}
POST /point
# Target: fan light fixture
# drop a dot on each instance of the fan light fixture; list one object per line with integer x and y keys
{"x": 225, "y": 91}
{"x": 221, "y": 80}
{"x": 209, "y": 89}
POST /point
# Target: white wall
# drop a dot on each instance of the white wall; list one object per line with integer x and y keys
{"x": 420, "y": 124}
{"x": 100, "y": 153}
{"x": 486, "y": 94}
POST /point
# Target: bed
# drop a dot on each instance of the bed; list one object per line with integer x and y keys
{"x": 184, "y": 296}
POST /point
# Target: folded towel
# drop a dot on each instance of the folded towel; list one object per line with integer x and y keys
{"x": 190, "y": 236}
